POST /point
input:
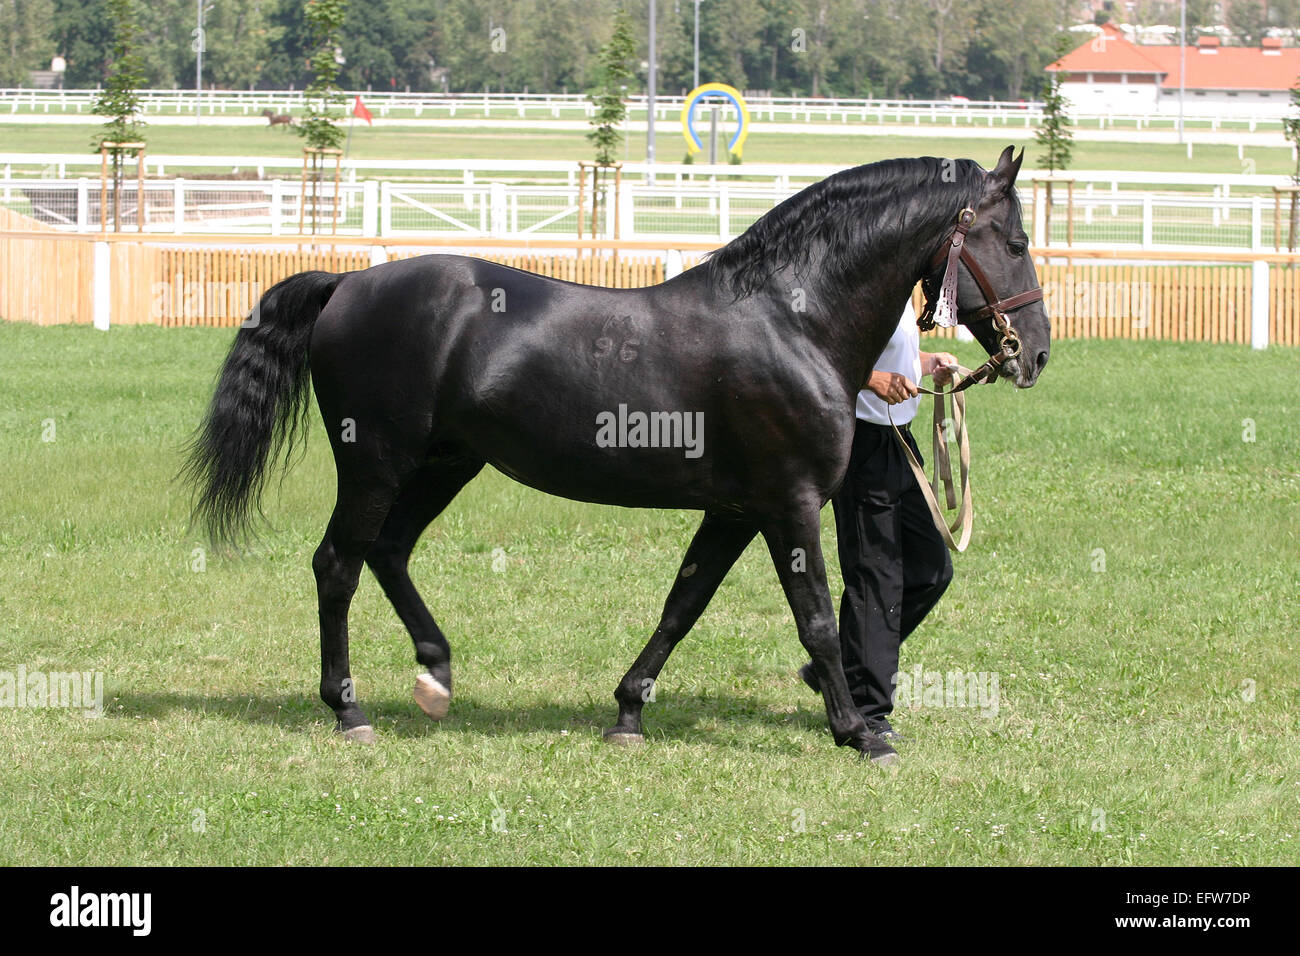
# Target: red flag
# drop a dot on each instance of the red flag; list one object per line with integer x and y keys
{"x": 359, "y": 109}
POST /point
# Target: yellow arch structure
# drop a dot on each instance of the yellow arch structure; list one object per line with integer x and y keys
{"x": 715, "y": 91}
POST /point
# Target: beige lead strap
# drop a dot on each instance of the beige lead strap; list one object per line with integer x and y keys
{"x": 965, "y": 518}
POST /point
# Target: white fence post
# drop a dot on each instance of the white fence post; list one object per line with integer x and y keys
{"x": 178, "y": 206}
{"x": 724, "y": 212}
{"x": 385, "y": 208}
{"x": 1148, "y": 226}
{"x": 101, "y": 287}
{"x": 370, "y": 209}
{"x": 277, "y": 206}
{"x": 497, "y": 205}
{"x": 1259, "y": 304}
{"x": 673, "y": 264}
{"x": 378, "y": 255}
{"x": 626, "y": 212}
{"x": 83, "y": 205}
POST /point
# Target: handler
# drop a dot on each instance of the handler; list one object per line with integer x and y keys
{"x": 893, "y": 560}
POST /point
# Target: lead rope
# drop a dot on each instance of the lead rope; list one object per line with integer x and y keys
{"x": 964, "y": 520}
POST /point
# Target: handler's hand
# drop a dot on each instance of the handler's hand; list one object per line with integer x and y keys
{"x": 891, "y": 387}
{"x": 939, "y": 364}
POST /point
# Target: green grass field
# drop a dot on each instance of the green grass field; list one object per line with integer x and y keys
{"x": 414, "y": 142}
{"x": 1132, "y": 583}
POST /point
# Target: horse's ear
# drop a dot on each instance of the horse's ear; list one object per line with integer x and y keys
{"x": 1004, "y": 173}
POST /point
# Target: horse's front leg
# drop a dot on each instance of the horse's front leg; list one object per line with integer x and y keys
{"x": 715, "y": 548}
{"x": 794, "y": 541}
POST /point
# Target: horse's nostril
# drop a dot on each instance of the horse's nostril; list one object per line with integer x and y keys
{"x": 1042, "y": 359}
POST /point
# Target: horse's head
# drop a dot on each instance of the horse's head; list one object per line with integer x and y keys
{"x": 997, "y": 244}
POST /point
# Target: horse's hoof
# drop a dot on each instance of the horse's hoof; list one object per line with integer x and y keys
{"x": 433, "y": 698}
{"x": 623, "y": 738}
{"x": 889, "y": 761}
{"x": 365, "y": 734}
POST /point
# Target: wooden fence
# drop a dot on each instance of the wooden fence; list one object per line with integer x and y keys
{"x": 1184, "y": 303}
{"x": 50, "y": 277}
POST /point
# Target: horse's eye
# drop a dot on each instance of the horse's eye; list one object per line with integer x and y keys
{"x": 1017, "y": 249}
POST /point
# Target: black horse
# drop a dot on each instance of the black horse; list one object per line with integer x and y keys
{"x": 728, "y": 389}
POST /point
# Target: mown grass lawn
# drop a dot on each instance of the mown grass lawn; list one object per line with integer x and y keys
{"x": 1132, "y": 583}
{"x": 415, "y": 142}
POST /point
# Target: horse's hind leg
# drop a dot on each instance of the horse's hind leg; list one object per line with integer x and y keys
{"x": 358, "y": 516}
{"x": 715, "y": 548}
{"x": 424, "y": 495}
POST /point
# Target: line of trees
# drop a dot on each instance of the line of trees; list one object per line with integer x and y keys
{"x": 984, "y": 49}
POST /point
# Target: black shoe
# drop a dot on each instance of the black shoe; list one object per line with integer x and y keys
{"x": 879, "y": 726}
{"x": 882, "y": 729}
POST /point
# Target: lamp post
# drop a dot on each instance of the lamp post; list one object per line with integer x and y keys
{"x": 1182, "y": 63}
{"x": 696, "y": 75}
{"x": 200, "y": 41}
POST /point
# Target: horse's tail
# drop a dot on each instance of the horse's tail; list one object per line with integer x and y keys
{"x": 259, "y": 407}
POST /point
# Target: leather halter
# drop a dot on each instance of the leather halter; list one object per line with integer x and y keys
{"x": 941, "y": 303}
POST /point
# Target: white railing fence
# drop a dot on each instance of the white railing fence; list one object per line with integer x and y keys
{"x": 574, "y": 105}
{"x": 668, "y": 210}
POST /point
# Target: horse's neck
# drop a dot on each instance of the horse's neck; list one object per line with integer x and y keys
{"x": 861, "y": 320}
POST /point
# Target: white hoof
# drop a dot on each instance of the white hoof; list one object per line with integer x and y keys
{"x": 365, "y": 734}
{"x": 433, "y": 698}
{"x": 623, "y": 739}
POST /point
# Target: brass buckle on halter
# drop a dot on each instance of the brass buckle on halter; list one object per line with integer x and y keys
{"x": 1009, "y": 341}
{"x": 966, "y": 217}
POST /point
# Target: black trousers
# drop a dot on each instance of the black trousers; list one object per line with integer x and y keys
{"x": 893, "y": 560}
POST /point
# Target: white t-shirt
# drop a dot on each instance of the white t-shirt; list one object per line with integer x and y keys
{"x": 901, "y": 355}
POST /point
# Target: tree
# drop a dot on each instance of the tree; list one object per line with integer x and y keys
{"x": 615, "y": 59}
{"x": 1291, "y": 129}
{"x": 946, "y": 26}
{"x": 1054, "y": 134}
{"x": 240, "y": 39}
{"x": 873, "y": 37}
{"x": 1248, "y": 19}
{"x": 886, "y": 48}
{"x": 26, "y": 29}
{"x": 319, "y": 128}
{"x": 325, "y": 25}
{"x": 550, "y": 55}
{"x": 83, "y": 36}
{"x": 119, "y": 100}
{"x": 1009, "y": 44}
{"x": 811, "y": 45}
{"x": 730, "y": 34}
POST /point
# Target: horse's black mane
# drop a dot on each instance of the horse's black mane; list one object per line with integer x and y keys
{"x": 839, "y": 216}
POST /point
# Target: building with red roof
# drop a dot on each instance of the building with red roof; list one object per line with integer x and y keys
{"x": 1111, "y": 74}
